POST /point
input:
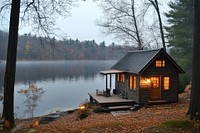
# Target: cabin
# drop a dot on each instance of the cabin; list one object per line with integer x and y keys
{"x": 146, "y": 76}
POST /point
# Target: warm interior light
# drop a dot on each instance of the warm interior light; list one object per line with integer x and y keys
{"x": 166, "y": 83}
{"x": 160, "y": 63}
{"x": 145, "y": 82}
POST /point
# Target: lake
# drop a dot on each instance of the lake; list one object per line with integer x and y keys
{"x": 65, "y": 84}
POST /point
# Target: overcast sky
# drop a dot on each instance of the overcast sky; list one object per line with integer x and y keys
{"x": 81, "y": 23}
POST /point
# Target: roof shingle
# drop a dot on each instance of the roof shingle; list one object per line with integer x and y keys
{"x": 135, "y": 61}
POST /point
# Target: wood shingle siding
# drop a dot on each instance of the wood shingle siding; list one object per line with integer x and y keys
{"x": 142, "y": 65}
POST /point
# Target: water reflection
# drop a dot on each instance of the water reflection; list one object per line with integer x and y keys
{"x": 66, "y": 83}
{"x": 33, "y": 71}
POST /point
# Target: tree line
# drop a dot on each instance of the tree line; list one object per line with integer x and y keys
{"x": 31, "y": 47}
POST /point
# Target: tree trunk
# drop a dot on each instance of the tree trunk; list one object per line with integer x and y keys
{"x": 194, "y": 108}
{"x": 9, "y": 78}
{"x": 136, "y": 26}
{"x": 155, "y": 4}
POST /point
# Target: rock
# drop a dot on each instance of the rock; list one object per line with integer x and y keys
{"x": 32, "y": 131}
{"x": 188, "y": 88}
{"x": 52, "y": 117}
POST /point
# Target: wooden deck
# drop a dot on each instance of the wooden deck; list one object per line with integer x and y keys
{"x": 113, "y": 100}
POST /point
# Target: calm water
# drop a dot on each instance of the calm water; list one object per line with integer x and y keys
{"x": 66, "y": 84}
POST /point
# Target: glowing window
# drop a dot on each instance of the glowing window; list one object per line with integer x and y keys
{"x": 132, "y": 82}
{"x": 155, "y": 82}
{"x": 120, "y": 77}
{"x": 166, "y": 83}
{"x": 160, "y": 63}
{"x": 117, "y": 75}
{"x": 145, "y": 82}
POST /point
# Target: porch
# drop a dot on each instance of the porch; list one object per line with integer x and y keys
{"x": 113, "y": 100}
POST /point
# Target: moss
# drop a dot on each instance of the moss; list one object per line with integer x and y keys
{"x": 175, "y": 126}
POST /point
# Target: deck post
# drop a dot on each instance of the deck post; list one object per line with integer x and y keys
{"x": 91, "y": 98}
{"x": 106, "y": 82}
{"x": 110, "y": 81}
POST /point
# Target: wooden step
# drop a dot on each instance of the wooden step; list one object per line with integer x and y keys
{"x": 124, "y": 107}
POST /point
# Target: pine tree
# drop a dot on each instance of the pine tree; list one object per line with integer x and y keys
{"x": 180, "y": 34}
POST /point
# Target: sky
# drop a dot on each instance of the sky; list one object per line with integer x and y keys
{"x": 82, "y": 23}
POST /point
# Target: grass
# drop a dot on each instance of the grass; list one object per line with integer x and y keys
{"x": 175, "y": 126}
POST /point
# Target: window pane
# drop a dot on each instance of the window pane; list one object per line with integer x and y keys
{"x": 166, "y": 83}
{"x": 158, "y": 63}
{"x": 155, "y": 82}
{"x": 117, "y": 77}
{"x": 122, "y": 77}
{"x": 134, "y": 83}
{"x": 130, "y": 82}
{"x": 163, "y": 63}
{"x": 145, "y": 82}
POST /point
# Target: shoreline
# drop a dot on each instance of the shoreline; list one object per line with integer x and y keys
{"x": 135, "y": 121}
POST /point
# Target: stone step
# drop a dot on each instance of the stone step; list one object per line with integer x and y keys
{"x": 156, "y": 102}
{"x": 124, "y": 107}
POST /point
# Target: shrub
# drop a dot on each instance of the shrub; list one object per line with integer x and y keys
{"x": 83, "y": 114}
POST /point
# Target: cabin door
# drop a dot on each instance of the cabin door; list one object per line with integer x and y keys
{"x": 155, "y": 91}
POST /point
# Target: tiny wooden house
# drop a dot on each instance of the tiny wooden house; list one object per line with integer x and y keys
{"x": 147, "y": 75}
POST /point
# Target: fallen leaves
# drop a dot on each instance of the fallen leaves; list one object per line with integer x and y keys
{"x": 136, "y": 121}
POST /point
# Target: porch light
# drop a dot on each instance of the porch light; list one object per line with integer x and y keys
{"x": 36, "y": 123}
{"x": 82, "y": 107}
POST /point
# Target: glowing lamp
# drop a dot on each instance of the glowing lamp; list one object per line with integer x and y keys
{"x": 82, "y": 107}
{"x": 36, "y": 123}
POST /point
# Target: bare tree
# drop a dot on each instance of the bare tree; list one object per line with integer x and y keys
{"x": 41, "y": 15}
{"x": 133, "y": 22}
{"x": 121, "y": 20}
{"x": 156, "y": 6}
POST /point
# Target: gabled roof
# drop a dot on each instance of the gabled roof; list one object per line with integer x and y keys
{"x": 137, "y": 61}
